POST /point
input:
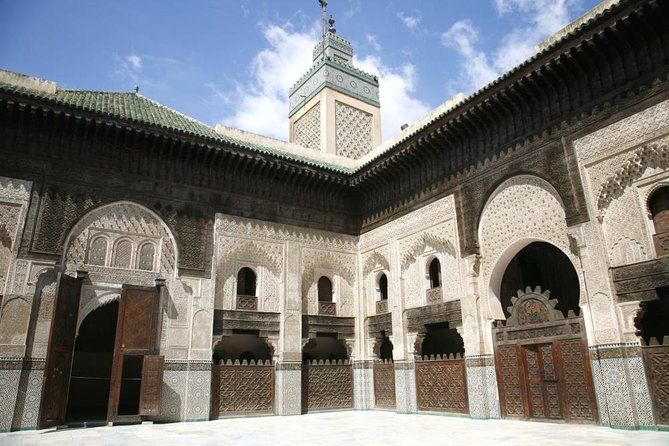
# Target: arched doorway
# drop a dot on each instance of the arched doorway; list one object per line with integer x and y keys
{"x": 92, "y": 365}
{"x": 543, "y": 370}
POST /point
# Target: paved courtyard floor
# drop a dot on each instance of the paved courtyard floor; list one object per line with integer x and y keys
{"x": 339, "y": 428}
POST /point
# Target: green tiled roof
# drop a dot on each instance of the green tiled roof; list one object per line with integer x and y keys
{"x": 139, "y": 109}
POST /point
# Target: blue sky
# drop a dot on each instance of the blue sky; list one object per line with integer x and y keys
{"x": 232, "y": 61}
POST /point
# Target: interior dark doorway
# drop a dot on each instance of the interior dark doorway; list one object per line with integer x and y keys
{"x": 92, "y": 365}
{"x": 542, "y": 264}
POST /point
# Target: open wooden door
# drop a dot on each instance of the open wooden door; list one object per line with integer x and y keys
{"x": 137, "y": 374}
{"x": 56, "y": 380}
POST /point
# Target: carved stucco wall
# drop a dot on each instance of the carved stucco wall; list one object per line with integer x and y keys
{"x": 308, "y": 128}
{"x": 18, "y": 298}
{"x": 400, "y": 249}
{"x": 521, "y": 210}
{"x": 289, "y": 261}
{"x": 621, "y": 164}
{"x": 353, "y": 127}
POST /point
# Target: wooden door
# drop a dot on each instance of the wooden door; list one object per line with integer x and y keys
{"x": 56, "y": 379}
{"x": 136, "y": 381}
{"x": 543, "y": 384}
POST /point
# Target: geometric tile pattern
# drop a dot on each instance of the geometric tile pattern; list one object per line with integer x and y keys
{"x": 363, "y": 385}
{"x": 288, "y": 389}
{"x": 482, "y": 389}
{"x": 9, "y": 386}
{"x": 405, "y": 387}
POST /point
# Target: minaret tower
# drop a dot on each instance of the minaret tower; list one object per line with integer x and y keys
{"x": 334, "y": 107}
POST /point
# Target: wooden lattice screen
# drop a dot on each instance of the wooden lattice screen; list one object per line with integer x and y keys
{"x": 384, "y": 384}
{"x": 441, "y": 384}
{"x": 242, "y": 388}
{"x": 327, "y": 385}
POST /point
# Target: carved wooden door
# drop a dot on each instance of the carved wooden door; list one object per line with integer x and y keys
{"x": 543, "y": 384}
{"x": 136, "y": 382}
{"x": 56, "y": 379}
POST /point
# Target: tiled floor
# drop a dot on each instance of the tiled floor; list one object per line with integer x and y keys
{"x": 338, "y": 428}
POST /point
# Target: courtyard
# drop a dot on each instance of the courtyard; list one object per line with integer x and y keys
{"x": 336, "y": 428}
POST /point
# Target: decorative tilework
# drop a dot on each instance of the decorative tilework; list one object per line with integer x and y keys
{"x": 27, "y": 407}
{"x": 198, "y": 396}
{"x": 621, "y": 387}
{"x": 405, "y": 387}
{"x": 363, "y": 385}
{"x": 482, "y": 387}
{"x": 9, "y": 386}
{"x": 288, "y": 388}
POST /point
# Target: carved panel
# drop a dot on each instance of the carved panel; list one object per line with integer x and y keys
{"x": 509, "y": 380}
{"x": 433, "y": 295}
{"x": 238, "y": 389}
{"x": 441, "y": 385}
{"x": 327, "y": 386}
{"x": 578, "y": 380}
{"x": 353, "y": 131}
{"x": 308, "y": 128}
{"x": 384, "y": 384}
{"x": 247, "y": 303}
{"x": 381, "y": 306}
{"x": 534, "y": 384}
{"x": 656, "y": 359}
{"x": 152, "y": 385}
{"x": 327, "y": 308}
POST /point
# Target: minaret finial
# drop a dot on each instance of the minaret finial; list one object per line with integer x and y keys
{"x": 324, "y": 7}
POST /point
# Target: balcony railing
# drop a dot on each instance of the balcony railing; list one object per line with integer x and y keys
{"x": 661, "y": 242}
{"x": 247, "y": 303}
{"x": 327, "y": 308}
{"x": 381, "y": 306}
{"x": 434, "y": 296}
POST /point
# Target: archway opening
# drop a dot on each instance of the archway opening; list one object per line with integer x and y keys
{"x": 653, "y": 320}
{"x": 246, "y": 282}
{"x": 242, "y": 345}
{"x": 542, "y": 264}
{"x": 435, "y": 273}
{"x": 383, "y": 287}
{"x": 324, "y": 289}
{"x": 325, "y": 346}
{"x": 440, "y": 339}
{"x": 658, "y": 203}
{"x": 92, "y": 365}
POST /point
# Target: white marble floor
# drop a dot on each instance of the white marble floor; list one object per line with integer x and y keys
{"x": 337, "y": 428}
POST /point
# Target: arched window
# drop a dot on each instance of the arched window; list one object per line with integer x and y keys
{"x": 146, "y": 255}
{"x": 435, "y": 273}
{"x": 383, "y": 287}
{"x": 122, "y": 254}
{"x": 246, "y": 282}
{"x": 324, "y": 289}
{"x": 659, "y": 209}
{"x": 97, "y": 254}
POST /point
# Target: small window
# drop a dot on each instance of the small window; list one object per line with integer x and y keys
{"x": 435, "y": 273}
{"x": 97, "y": 255}
{"x": 146, "y": 256}
{"x": 122, "y": 254}
{"x": 246, "y": 282}
{"x": 659, "y": 209}
{"x": 324, "y": 289}
{"x": 383, "y": 287}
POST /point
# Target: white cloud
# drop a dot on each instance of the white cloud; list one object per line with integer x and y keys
{"x": 462, "y": 37}
{"x": 134, "y": 61}
{"x": 396, "y": 89}
{"x": 537, "y": 19}
{"x": 261, "y": 105}
{"x": 410, "y": 22}
{"x": 371, "y": 40}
